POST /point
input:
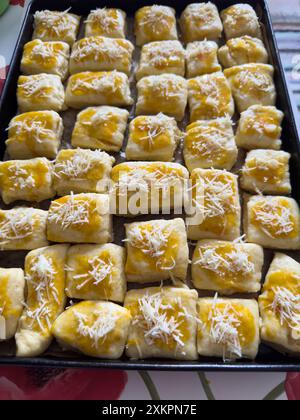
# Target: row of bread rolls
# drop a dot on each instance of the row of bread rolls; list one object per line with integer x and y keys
{"x": 162, "y": 322}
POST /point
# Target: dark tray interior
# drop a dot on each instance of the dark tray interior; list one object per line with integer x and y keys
{"x": 268, "y": 359}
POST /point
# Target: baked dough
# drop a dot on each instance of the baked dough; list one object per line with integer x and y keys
{"x": 240, "y": 19}
{"x": 45, "y": 277}
{"x": 200, "y": 21}
{"x": 228, "y": 328}
{"x": 152, "y": 137}
{"x": 40, "y": 92}
{"x": 98, "y": 53}
{"x": 210, "y": 97}
{"x": 148, "y": 188}
{"x": 216, "y": 196}
{"x": 166, "y": 93}
{"x": 210, "y": 144}
{"x": 201, "y": 58}
{"x": 161, "y": 57}
{"x": 79, "y": 171}
{"x": 164, "y": 323}
{"x": 96, "y": 329}
{"x": 155, "y": 23}
{"x": 156, "y": 251}
{"x": 80, "y": 218}
{"x": 28, "y": 180}
{"x": 12, "y": 285}
{"x": 22, "y": 228}
{"x": 267, "y": 172}
{"x": 96, "y": 272}
{"x": 260, "y": 128}
{"x": 34, "y": 134}
{"x": 227, "y": 267}
{"x": 244, "y": 50}
{"x": 280, "y": 305}
{"x": 100, "y": 127}
{"x": 98, "y": 88}
{"x": 56, "y": 26}
{"x": 273, "y": 222}
{"x": 107, "y": 22}
{"x": 252, "y": 84}
{"x": 46, "y": 57}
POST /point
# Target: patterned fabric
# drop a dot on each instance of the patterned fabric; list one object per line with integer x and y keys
{"x": 292, "y": 386}
{"x": 17, "y": 3}
{"x": 60, "y": 384}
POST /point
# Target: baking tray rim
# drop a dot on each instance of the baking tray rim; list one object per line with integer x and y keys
{"x": 152, "y": 364}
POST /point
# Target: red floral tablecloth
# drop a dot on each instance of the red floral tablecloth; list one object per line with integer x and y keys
{"x": 76, "y": 384}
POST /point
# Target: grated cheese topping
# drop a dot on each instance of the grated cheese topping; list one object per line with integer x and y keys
{"x": 287, "y": 306}
{"x": 209, "y": 88}
{"x": 264, "y": 121}
{"x": 262, "y": 165}
{"x": 58, "y": 22}
{"x": 156, "y": 126}
{"x": 235, "y": 13}
{"x": 209, "y": 142}
{"x": 157, "y": 17}
{"x": 244, "y": 42}
{"x": 20, "y": 177}
{"x": 99, "y": 48}
{"x": 73, "y": 212}
{"x": 203, "y": 13}
{"x": 165, "y": 53}
{"x": 35, "y": 128}
{"x": 46, "y": 50}
{"x": 236, "y": 261}
{"x": 145, "y": 179}
{"x": 101, "y": 117}
{"x": 272, "y": 216}
{"x": 261, "y": 127}
{"x": 166, "y": 86}
{"x": 224, "y": 329}
{"x": 152, "y": 242}
{"x": 197, "y": 49}
{"x": 99, "y": 329}
{"x": 108, "y": 82}
{"x": 217, "y": 197}
{"x": 42, "y": 312}
{"x": 78, "y": 165}
{"x": 271, "y": 169}
{"x": 38, "y": 86}
{"x": 253, "y": 80}
{"x": 99, "y": 271}
{"x": 16, "y": 225}
{"x": 156, "y": 322}
{"x": 43, "y": 50}
{"x": 104, "y": 18}
{"x": 42, "y": 276}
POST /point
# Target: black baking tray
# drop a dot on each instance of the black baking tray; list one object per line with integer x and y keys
{"x": 268, "y": 359}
